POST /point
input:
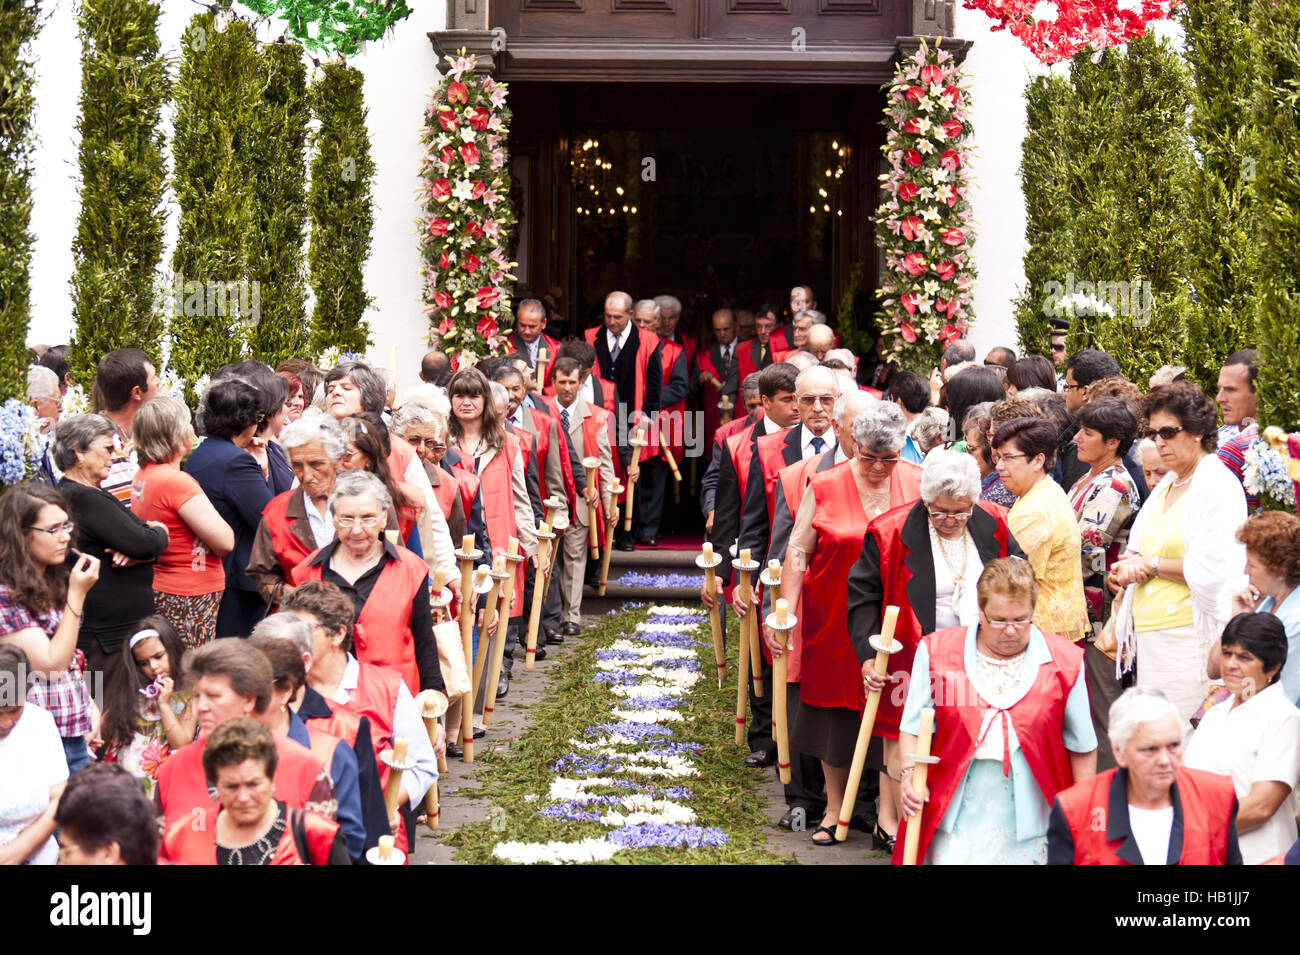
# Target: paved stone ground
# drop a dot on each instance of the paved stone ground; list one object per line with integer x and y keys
{"x": 512, "y": 714}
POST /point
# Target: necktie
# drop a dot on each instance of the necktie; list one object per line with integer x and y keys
{"x": 817, "y": 445}
{"x": 762, "y": 352}
{"x": 564, "y": 420}
{"x": 613, "y": 352}
{"x": 726, "y": 359}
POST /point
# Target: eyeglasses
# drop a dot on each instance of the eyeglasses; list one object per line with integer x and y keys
{"x": 811, "y": 400}
{"x": 1164, "y": 434}
{"x": 871, "y": 459}
{"x": 1008, "y": 457}
{"x": 433, "y": 444}
{"x": 57, "y": 530}
{"x": 369, "y": 522}
{"x": 1069, "y": 387}
{"x": 961, "y": 516}
{"x": 1008, "y": 624}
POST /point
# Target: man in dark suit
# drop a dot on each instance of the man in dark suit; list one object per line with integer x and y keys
{"x": 716, "y": 372}
{"x": 629, "y": 357}
{"x": 529, "y": 338}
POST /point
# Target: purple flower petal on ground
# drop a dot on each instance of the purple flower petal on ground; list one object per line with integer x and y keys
{"x": 636, "y": 731}
{"x": 650, "y": 703}
{"x": 650, "y": 835}
{"x": 666, "y": 638}
{"x": 660, "y": 581}
{"x": 585, "y": 765}
{"x": 677, "y": 792}
{"x": 675, "y": 619}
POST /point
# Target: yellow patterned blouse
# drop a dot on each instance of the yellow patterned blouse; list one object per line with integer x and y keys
{"x": 1045, "y": 527}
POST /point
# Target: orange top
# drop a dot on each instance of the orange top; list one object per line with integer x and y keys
{"x": 185, "y": 568}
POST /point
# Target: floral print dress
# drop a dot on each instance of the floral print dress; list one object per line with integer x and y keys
{"x": 147, "y": 752}
{"x": 1104, "y": 505}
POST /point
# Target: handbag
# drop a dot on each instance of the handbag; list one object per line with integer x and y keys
{"x": 451, "y": 658}
{"x": 1105, "y": 641}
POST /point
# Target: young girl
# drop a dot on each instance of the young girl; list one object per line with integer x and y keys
{"x": 147, "y": 717}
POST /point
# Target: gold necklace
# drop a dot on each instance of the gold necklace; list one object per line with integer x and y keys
{"x": 958, "y": 576}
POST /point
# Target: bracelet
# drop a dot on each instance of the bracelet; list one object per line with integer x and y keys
{"x": 80, "y": 615}
{"x": 907, "y": 771}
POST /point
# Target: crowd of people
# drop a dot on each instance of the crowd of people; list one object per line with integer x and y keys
{"x": 226, "y": 620}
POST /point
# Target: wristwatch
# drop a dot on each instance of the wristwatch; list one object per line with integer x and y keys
{"x": 1155, "y": 565}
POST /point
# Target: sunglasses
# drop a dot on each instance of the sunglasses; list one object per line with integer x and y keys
{"x": 1164, "y": 434}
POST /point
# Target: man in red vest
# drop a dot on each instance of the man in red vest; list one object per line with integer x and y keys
{"x": 529, "y": 338}
{"x": 671, "y": 419}
{"x": 596, "y": 391}
{"x": 670, "y": 314}
{"x": 756, "y": 354}
{"x": 1151, "y": 810}
{"x": 587, "y": 429}
{"x": 709, "y": 483}
{"x": 630, "y": 358}
{"x": 716, "y": 372}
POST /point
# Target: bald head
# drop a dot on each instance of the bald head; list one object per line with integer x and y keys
{"x": 618, "y": 311}
{"x": 724, "y": 326}
{"x": 820, "y": 340}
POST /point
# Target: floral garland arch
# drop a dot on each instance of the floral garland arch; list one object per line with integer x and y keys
{"x": 924, "y": 224}
{"x": 333, "y": 26}
{"x": 468, "y": 221}
{"x": 1055, "y": 30}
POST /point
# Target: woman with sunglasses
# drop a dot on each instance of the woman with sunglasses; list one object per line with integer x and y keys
{"x": 923, "y": 558}
{"x": 41, "y": 605}
{"x": 1184, "y": 561}
{"x": 1043, "y": 522}
{"x": 832, "y": 518}
{"x": 1011, "y": 727}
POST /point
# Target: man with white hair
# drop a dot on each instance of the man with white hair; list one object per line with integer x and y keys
{"x": 668, "y": 432}
{"x": 47, "y": 401}
{"x": 630, "y": 357}
{"x": 670, "y": 314}
{"x": 1151, "y": 810}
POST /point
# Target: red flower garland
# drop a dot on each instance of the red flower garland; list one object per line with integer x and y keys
{"x": 1056, "y": 30}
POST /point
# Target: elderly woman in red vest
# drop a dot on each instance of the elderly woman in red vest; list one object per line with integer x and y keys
{"x": 1012, "y": 728}
{"x": 298, "y": 522}
{"x": 923, "y": 558}
{"x": 388, "y": 585}
{"x": 252, "y": 827}
{"x": 826, "y": 540}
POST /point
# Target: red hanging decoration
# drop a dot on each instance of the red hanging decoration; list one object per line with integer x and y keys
{"x": 1055, "y": 30}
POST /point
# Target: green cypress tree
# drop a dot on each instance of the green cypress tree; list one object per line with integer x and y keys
{"x": 277, "y": 164}
{"x": 341, "y": 214}
{"x": 19, "y": 24}
{"x": 1275, "y": 29}
{"x": 1049, "y": 233}
{"x": 1223, "y": 251}
{"x": 218, "y": 90}
{"x": 119, "y": 240}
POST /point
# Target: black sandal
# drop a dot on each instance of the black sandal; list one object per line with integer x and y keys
{"x": 830, "y": 831}
{"x": 882, "y": 840}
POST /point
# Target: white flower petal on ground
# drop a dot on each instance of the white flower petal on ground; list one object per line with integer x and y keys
{"x": 649, "y": 716}
{"x": 667, "y": 627}
{"x": 675, "y": 611}
{"x": 532, "y": 853}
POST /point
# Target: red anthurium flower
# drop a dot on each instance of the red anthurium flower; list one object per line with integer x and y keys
{"x": 473, "y": 230}
{"x": 447, "y": 120}
{"x": 479, "y": 118}
{"x": 455, "y": 362}
{"x": 447, "y": 154}
{"x": 950, "y": 159}
{"x": 940, "y": 305}
{"x": 911, "y": 226}
{"x": 457, "y": 92}
{"x": 487, "y": 326}
{"x": 446, "y": 325}
{"x": 914, "y": 263}
{"x": 909, "y": 332}
{"x": 469, "y": 153}
{"x": 931, "y": 74}
{"x": 471, "y": 262}
{"x": 908, "y": 301}
{"x": 444, "y": 260}
{"x": 951, "y": 96}
{"x": 442, "y": 299}
{"x": 907, "y": 191}
{"x": 946, "y": 270}
{"x": 913, "y": 126}
{"x": 912, "y": 157}
{"x": 952, "y": 198}
{"x": 953, "y": 128}
{"x": 487, "y": 297}
{"x": 949, "y": 334}
{"x": 915, "y": 94}
{"x": 479, "y": 189}
{"x": 438, "y": 226}
{"x": 441, "y": 190}
{"x": 952, "y": 236}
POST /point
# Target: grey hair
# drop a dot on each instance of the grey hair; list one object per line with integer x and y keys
{"x": 316, "y": 429}
{"x": 530, "y": 305}
{"x": 408, "y": 415}
{"x": 669, "y": 303}
{"x": 287, "y": 626}
{"x": 622, "y": 297}
{"x": 959, "y": 351}
{"x": 430, "y": 396}
{"x": 499, "y": 395}
{"x": 368, "y": 382}
{"x": 819, "y": 318}
{"x": 1145, "y": 445}
{"x": 844, "y": 355}
{"x": 948, "y": 473}
{"x": 649, "y": 303}
{"x": 823, "y": 335}
{"x": 74, "y": 434}
{"x": 804, "y": 381}
{"x": 41, "y": 383}
{"x": 750, "y": 385}
{"x": 850, "y": 402}
{"x": 1135, "y": 706}
{"x": 930, "y": 428}
{"x": 880, "y": 428}
{"x": 359, "y": 484}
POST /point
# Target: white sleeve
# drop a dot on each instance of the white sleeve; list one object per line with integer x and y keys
{"x": 440, "y": 547}
{"x": 408, "y": 724}
{"x": 1278, "y": 759}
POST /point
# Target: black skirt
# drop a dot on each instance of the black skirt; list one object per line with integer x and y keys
{"x": 826, "y": 733}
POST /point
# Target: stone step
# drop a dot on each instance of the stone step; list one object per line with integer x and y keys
{"x": 653, "y": 557}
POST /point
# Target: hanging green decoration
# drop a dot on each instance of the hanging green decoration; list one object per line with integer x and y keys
{"x": 334, "y": 26}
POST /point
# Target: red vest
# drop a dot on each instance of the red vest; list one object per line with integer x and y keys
{"x": 341, "y": 724}
{"x": 184, "y": 845}
{"x": 747, "y": 358}
{"x": 183, "y": 788}
{"x": 499, "y": 506}
{"x": 741, "y": 448}
{"x": 831, "y": 675}
{"x": 445, "y": 491}
{"x": 1207, "y": 801}
{"x": 887, "y": 530}
{"x": 778, "y": 341}
{"x": 288, "y": 548}
{"x": 382, "y": 634}
{"x": 591, "y": 427}
{"x": 709, "y": 395}
{"x": 1038, "y": 720}
{"x": 672, "y": 421}
{"x": 792, "y": 481}
{"x": 400, "y": 456}
{"x": 543, "y": 423}
{"x": 646, "y": 345}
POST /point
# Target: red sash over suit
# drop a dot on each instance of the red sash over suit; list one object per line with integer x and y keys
{"x": 591, "y": 427}
{"x": 542, "y": 438}
{"x": 552, "y": 347}
{"x": 792, "y": 481}
{"x": 382, "y": 633}
{"x": 675, "y": 414}
{"x": 1038, "y": 719}
{"x": 499, "y": 504}
{"x": 1206, "y": 800}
